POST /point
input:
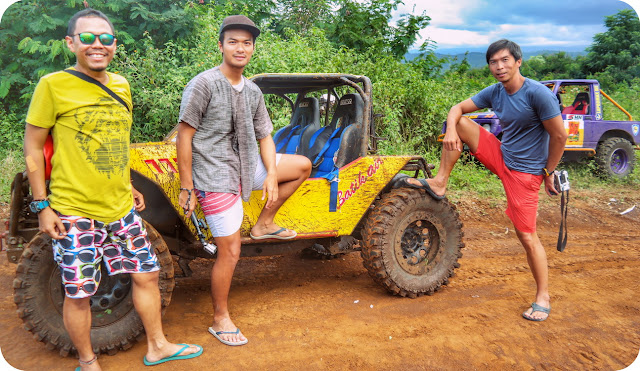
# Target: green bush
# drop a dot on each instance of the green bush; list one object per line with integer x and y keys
{"x": 12, "y": 163}
{"x": 11, "y": 131}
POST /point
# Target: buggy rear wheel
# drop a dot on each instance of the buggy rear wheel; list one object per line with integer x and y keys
{"x": 411, "y": 242}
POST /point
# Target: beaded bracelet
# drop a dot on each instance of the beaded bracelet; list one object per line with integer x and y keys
{"x": 89, "y": 362}
{"x": 186, "y": 208}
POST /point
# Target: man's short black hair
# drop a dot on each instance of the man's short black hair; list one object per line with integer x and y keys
{"x": 71, "y": 28}
{"x": 512, "y": 47}
{"x": 221, "y": 38}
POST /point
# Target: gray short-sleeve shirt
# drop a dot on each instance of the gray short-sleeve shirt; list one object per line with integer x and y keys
{"x": 228, "y": 123}
{"x": 525, "y": 141}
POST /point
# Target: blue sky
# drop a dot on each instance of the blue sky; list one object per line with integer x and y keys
{"x": 471, "y": 25}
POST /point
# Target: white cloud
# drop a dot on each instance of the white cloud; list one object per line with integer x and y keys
{"x": 442, "y": 13}
{"x": 453, "y": 38}
{"x": 473, "y": 23}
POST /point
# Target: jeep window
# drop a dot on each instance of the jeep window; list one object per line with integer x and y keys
{"x": 575, "y": 99}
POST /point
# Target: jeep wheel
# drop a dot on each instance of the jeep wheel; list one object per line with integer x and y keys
{"x": 39, "y": 295}
{"x": 411, "y": 242}
{"x": 615, "y": 158}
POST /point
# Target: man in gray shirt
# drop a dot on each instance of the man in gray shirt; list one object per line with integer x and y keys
{"x": 222, "y": 116}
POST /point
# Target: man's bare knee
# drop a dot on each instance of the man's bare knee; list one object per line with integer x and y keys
{"x": 305, "y": 166}
{"x": 77, "y": 303}
{"x": 469, "y": 133}
{"x": 146, "y": 280}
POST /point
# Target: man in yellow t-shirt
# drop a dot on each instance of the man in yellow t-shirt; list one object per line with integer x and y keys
{"x": 92, "y": 211}
{"x": 91, "y": 137}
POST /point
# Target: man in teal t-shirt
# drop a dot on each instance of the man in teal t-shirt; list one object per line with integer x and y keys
{"x": 532, "y": 145}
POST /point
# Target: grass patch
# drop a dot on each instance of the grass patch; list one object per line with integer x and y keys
{"x": 12, "y": 163}
{"x": 583, "y": 175}
{"x": 470, "y": 178}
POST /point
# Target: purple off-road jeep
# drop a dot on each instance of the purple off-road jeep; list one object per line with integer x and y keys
{"x": 611, "y": 142}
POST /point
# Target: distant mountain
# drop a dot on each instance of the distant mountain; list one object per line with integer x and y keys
{"x": 477, "y": 59}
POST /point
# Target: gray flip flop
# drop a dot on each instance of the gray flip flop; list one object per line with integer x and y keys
{"x": 537, "y": 308}
{"x": 274, "y": 235}
{"x": 226, "y": 342}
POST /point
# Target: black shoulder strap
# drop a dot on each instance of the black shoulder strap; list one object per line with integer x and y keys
{"x": 562, "y": 233}
{"x": 101, "y": 85}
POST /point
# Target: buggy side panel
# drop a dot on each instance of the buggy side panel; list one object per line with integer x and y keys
{"x": 307, "y": 210}
{"x": 158, "y": 163}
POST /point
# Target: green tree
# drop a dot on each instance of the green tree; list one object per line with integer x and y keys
{"x": 302, "y": 15}
{"x": 616, "y": 52}
{"x": 261, "y": 12}
{"x": 364, "y": 27}
{"x": 553, "y": 66}
{"x": 32, "y": 35}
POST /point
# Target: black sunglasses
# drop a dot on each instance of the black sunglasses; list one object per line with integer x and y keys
{"x": 88, "y": 38}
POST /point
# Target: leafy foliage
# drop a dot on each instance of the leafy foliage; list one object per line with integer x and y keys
{"x": 364, "y": 27}
{"x": 10, "y": 164}
{"x": 35, "y": 48}
{"x": 616, "y": 52}
{"x": 553, "y": 66}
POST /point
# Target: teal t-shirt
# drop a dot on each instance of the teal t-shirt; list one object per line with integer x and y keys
{"x": 525, "y": 142}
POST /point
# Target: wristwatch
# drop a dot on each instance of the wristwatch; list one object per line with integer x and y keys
{"x": 547, "y": 172}
{"x": 38, "y": 205}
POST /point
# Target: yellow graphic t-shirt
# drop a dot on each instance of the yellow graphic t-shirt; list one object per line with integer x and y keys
{"x": 90, "y": 163}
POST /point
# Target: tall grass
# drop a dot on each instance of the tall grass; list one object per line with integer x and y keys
{"x": 12, "y": 163}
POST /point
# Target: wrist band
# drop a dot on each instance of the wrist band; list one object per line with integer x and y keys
{"x": 547, "y": 172}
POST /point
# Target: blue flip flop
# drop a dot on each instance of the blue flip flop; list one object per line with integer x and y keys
{"x": 176, "y": 356}
{"x": 537, "y": 308}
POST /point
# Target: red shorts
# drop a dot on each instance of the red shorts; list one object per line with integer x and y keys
{"x": 521, "y": 188}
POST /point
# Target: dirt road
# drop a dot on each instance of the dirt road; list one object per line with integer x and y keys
{"x": 329, "y": 314}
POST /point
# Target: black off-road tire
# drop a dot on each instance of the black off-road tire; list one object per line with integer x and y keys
{"x": 411, "y": 242}
{"x": 615, "y": 158}
{"x": 39, "y": 296}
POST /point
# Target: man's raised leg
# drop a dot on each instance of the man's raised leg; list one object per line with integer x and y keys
{"x": 147, "y": 301}
{"x": 221, "y": 274}
{"x": 469, "y": 133}
{"x": 537, "y": 259}
{"x": 292, "y": 171}
{"x": 76, "y": 315}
